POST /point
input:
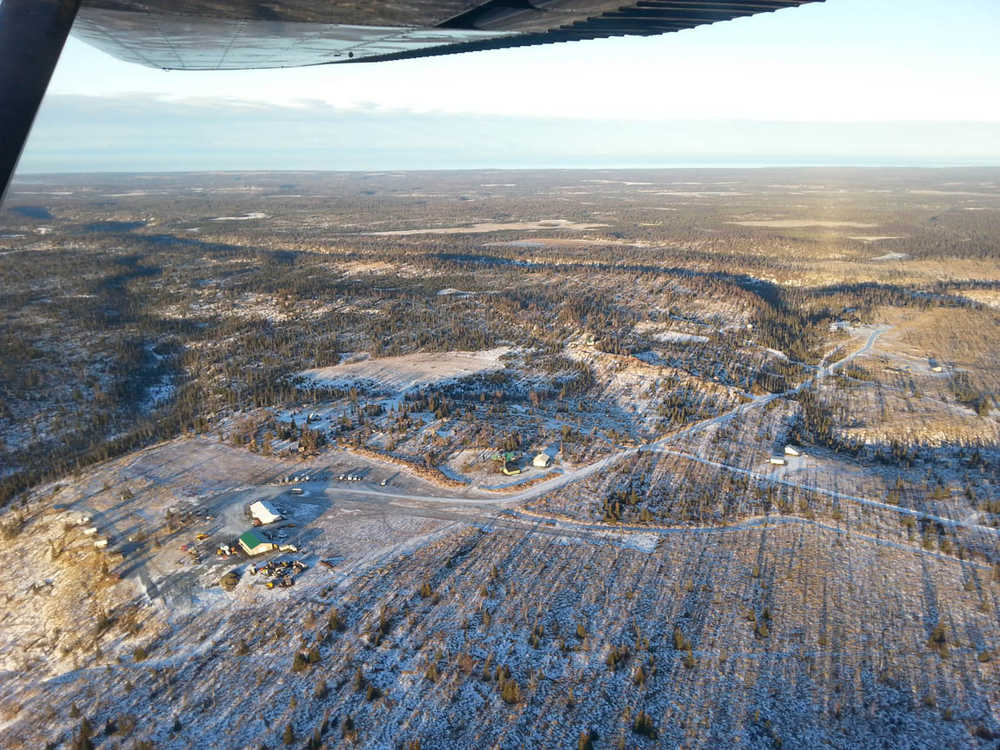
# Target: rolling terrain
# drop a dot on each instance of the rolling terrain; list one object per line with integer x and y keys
{"x": 596, "y": 459}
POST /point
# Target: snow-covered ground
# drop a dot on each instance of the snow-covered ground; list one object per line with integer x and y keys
{"x": 410, "y": 370}
{"x": 485, "y": 227}
{"x": 245, "y": 217}
{"x": 675, "y": 337}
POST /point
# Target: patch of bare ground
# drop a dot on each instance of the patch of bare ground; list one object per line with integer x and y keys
{"x": 907, "y": 411}
{"x": 799, "y": 223}
{"x": 954, "y": 338}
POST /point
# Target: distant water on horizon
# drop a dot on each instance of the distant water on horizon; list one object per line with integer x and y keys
{"x": 817, "y": 163}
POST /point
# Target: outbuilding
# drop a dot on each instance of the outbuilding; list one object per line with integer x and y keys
{"x": 263, "y": 512}
{"x": 791, "y": 450}
{"x": 253, "y": 544}
{"x": 541, "y": 461}
{"x": 777, "y": 460}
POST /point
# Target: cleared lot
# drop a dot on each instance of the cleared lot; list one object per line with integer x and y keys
{"x": 410, "y": 370}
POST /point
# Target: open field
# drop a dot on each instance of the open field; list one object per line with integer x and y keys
{"x": 409, "y": 370}
{"x": 483, "y": 228}
{"x": 799, "y": 223}
{"x": 721, "y": 471}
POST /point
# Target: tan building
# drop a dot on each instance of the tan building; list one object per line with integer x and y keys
{"x": 253, "y": 544}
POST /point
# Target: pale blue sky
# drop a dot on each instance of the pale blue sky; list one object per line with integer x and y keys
{"x": 848, "y": 61}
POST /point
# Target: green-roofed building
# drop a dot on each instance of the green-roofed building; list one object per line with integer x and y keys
{"x": 253, "y": 544}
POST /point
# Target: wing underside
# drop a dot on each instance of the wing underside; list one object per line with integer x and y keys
{"x": 241, "y": 34}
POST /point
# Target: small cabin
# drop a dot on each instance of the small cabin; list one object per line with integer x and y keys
{"x": 541, "y": 461}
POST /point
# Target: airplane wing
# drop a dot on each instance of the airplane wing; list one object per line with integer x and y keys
{"x": 241, "y": 34}
{"x": 246, "y": 34}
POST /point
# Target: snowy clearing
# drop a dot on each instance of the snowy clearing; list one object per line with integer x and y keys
{"x": 245, "y": 217}
{"x": 412, "y": 370}
{"x": 676, "y": 337}
{"x": 488, "y": 227}
{"x": 875, "y": 237}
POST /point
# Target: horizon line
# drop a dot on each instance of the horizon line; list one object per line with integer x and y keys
{"x": 994, "y": 165}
